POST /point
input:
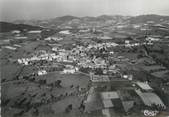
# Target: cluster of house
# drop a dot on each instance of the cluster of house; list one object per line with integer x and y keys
{"x": 54, "y": 38}
{"x": 99, "y": 78}
{"x": 92, "y": 63}
{"x": 43, "y": 56}
{"x": 69, "y": 69}
{"x": 134, "y": 44}
{"x": 101, "y": 45}
{"x": 61, "y": 56}
{"x": 42, "y": 72}
{"x": 79, "y": 55}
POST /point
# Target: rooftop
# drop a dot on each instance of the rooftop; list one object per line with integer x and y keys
{"x": 143, "y": 86}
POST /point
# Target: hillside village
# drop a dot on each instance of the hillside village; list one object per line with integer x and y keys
{"x": 107, "y": 66}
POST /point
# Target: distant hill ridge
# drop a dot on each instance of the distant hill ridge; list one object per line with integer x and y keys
{"x": 145, "y": 18}
{"x": 7, "y": 27}
{"x": 134, "y": 19}
{"x": 35, "y": 24}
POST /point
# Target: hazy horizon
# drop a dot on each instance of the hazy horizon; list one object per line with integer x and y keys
{"x": 45, "y": 9}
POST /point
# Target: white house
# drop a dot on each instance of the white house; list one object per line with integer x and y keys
{"x": 152, "y": 39}
{"x": 65, "y": 32}
{"x": 34, "y": 31}
{"x": 69, "y": 71}
{"x": 42, "y": 72}
{"x": 16, "y": 31}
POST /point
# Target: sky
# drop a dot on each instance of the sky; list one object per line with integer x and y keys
{"x": 44, "y": 9}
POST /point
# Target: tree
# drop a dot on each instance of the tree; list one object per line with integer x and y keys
{"x": 58, "y": 83}
{"x": 68, "y": 108}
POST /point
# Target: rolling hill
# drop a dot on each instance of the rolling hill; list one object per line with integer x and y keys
{"x": 7, "y": 27}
